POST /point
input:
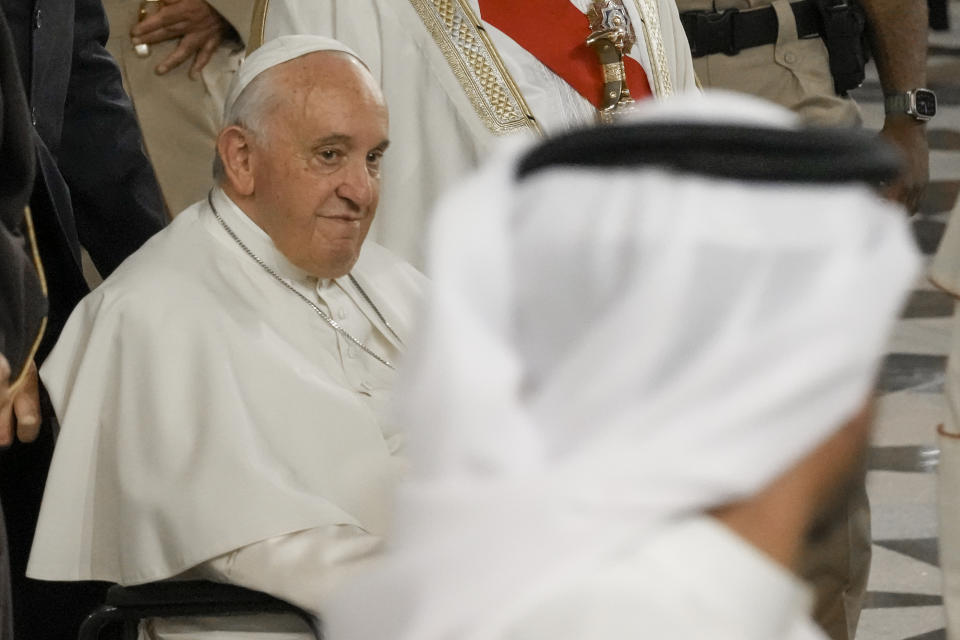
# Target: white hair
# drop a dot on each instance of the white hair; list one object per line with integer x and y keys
{"x": 258, "y": 98}
{"x": 249, "y": 111}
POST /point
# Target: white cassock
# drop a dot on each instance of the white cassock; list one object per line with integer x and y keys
{"x": 204, "y": 408}
{"x": 453, "y": 91}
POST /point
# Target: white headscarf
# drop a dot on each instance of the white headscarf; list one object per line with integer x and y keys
{"x": 609, "y": 349}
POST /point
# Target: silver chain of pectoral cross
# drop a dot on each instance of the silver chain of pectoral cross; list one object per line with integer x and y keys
{"x": 326, "y": 318}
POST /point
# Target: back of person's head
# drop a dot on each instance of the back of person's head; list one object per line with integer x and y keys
{"x": 629, "y": 325}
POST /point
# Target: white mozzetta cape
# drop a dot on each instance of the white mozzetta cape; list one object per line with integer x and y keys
{"x": 205, "y": 407}
{"x": 453, "y": 89}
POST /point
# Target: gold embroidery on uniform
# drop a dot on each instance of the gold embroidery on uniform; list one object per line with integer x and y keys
{"x": 653, "y": 36}
{"x": 476, "y": 64}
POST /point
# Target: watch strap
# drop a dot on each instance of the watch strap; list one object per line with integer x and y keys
{"x": 898, "y": 103}
{"x": 909, "y": 103}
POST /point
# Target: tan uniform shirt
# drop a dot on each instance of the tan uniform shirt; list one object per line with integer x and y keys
{"x": 792, "y": 72}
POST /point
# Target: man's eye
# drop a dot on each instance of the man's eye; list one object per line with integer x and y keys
{"x": 329, "y": 155}
{"x": 374, "y": 158}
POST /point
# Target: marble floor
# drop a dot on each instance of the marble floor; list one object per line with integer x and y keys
{"x": 903, "y": 600}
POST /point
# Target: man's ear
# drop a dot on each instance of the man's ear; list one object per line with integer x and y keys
{"x": 234, "y": 145}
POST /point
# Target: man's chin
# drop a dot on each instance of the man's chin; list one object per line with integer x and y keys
{"x": 334, "y": 266}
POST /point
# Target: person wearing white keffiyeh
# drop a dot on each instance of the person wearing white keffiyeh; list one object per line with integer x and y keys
{"x": 635, "y": 388}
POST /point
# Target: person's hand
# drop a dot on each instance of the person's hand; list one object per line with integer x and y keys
{"x": 198, "y": 25}
{"x": 910, "y": 136}
{"x": 20, "y": 406}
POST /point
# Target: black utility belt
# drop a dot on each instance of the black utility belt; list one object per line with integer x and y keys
{"x": 731, "y": 30}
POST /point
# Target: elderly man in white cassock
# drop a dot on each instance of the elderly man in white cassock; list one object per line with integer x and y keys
{"x": 675, "y": 324}
{"x": 221, "y": 395}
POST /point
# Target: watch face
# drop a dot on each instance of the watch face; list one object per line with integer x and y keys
{"x": 926, "y": 102}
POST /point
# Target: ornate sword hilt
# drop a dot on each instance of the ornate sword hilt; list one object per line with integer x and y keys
{"x": 612, "y": 36}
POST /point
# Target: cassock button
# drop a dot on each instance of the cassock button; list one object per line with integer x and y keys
{"x": 341, "y": 314}
{"x": 351, "y": 352}
{"x": 366, "y": 386}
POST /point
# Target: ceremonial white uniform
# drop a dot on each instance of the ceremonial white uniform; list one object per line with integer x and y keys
{"x": 205, "y": 407}
{"x": 453, "y": 88}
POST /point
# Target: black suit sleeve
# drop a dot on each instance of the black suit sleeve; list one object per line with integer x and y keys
{"x": 116, "y": 198}
{"x": 22, "y": 302}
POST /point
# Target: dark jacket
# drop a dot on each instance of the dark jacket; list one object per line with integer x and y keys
{"x": 23, "y": 306}
{"x": 95, "y": 188}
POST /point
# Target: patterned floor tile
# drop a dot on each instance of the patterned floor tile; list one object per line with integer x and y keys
{"x": 904, "y": 528}
{"x": 904, "y": 521}
{"x": 938, "y": 634}
{"x": 900, "y": 623}
{"x": 928, "y": 304}
{"x": 940, "y": 50}
{"x": 941, "y": 195}
{"x": 906, "y": 418}
{"x": 938, "y": 15}
{"x": 929, "y": 232}
{"x": 893, "y": 599}
{"x": 921, "y": 373}
{"x": 903, "y": 601}
{"x": 922, "y": 549}
{"x": 943, "y": 70}
{"x": 930, "y": 336}
{"x": 943, "y": 139}
{"x": 898, "y": 573}
{"x": 945, "y": 167}
{"x": 907, "y": 459}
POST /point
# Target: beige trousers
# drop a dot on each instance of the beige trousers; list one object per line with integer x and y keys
{"x": 180, "y": 117}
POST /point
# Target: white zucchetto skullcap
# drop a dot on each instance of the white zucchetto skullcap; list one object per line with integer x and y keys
{"x": 275, "y": 52}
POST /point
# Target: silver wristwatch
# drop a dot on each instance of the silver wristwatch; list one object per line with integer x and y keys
{"x": 921, "y": 104}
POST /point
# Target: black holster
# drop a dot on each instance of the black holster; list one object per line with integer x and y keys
{"x": 844, "y": 34}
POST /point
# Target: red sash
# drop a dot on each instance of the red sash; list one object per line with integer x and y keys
{"x": 555, "y": 32}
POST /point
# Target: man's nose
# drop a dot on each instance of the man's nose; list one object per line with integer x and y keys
{"x": 358, "y": 185}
